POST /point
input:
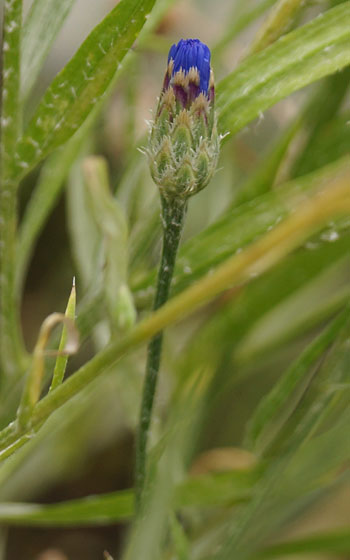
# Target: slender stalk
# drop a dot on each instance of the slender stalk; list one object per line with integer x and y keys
{"x": 173, "y": 213}
{"x": 11, "y": 345}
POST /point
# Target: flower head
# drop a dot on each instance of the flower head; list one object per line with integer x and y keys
{"x": 184, "y": 144}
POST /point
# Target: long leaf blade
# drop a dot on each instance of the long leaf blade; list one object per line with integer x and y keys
{"x": 211, "y": 489}
{"x": 337, "y": 542}
{"x": 266, "y": 416}
{"x": 41, "y": 26}
{"x": 297, "y": 59}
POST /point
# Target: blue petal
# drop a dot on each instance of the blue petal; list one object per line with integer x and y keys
{"x": 172, "y": 53}
{"x": 192, "y": 53}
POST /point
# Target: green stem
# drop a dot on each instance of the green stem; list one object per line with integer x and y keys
{"x": 11, "y": 345}
{"x": 173, "y": 213}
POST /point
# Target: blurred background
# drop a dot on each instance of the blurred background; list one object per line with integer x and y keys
{"x": 88, "y": 448}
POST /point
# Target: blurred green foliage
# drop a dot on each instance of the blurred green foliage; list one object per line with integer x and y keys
{"x": 250, "y": 441}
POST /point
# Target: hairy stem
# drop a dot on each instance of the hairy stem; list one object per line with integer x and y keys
{"x": 173, "y": 212}
{"x": 11, "y": 345}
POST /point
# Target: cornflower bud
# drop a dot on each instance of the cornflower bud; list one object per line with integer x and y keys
{"x": 184, "y": 144}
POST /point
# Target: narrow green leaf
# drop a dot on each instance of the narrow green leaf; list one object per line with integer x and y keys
{"x": 84, "y": 235}
{"x": 179, "y": 538}
{"x": 314, "y": 118}
{"x": 79, "y": 86}
{"x": 42, "y": 201}
{"x": 314, "y": 297}
{"x": 280, "y": 19}
{"x": 62, "y": 358}
{"x": 11, "y": 113}
{"x": 290, "y": 486}
{"x": 263, "y": 179}
{"x": 329, "y": 143}
{"x": 266, "y": 420}
{"x": 242, "y": 17}
{"x": 325, "y": 395}
{"x": 34, "y": 378}
{"x": 213, "y": 489}
{"x": 299, "y": 58}
{"x": 337, "y": 542}
{"x": 41, "y": 26}
{"x": 111, "y": 223}
{"x": 319, "y": 114}
{"x": 310, "y": 465}
{"x": 11, "y": 346}
{"x": 92, "y": 510}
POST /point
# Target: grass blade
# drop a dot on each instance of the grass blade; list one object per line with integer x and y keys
{"x": 41, "y": 26}
{"x": 290, "y": 486}
{"x": 75, "y": 91}
{"x": 42, "y": 201}
{"x": 97, "y": 510}
{"x": 280, "y": 19}
{"x": 11, "y": 346}
{"x": 240, "y": 19}
{"x": 332, "y": 543}
{"x": 266, "y": 419}
{"x": 214, "y": 489}
{"x": 303, "y": 56}
{"x": 62, "y": 358}
{"x": 111, "y": 223}
{"x": 308, "y": 464}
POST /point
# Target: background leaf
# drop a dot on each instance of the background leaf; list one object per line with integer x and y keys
{"x": 337, "y": 543}
{"x": 303, "y": 56}
{"x": 41, "y": 26}
{"x": 212, "y": 489}
{"x": 267, "y": 417}
{"x": 78, "y": 87}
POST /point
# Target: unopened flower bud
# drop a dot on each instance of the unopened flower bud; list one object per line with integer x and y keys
{"x": 184, "y": 143}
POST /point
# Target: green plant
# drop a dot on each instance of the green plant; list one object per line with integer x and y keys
{"x": 261, "y": 280}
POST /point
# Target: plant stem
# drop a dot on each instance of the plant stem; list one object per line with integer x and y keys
{"x": 11, "y": 345}
{"x": 173, "y": 213}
